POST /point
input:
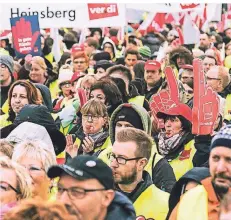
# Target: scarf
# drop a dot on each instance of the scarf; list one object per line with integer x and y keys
{"x": 167, "y": 145}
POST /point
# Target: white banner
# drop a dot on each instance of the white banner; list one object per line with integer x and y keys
{"x": 166, "y": 7}
{"x": 56, "y": 15}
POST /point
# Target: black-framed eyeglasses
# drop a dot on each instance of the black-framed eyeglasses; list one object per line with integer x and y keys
{"x": 4, "y": 186}
{"x": 121, "y": 160}
{"x": 91, "y": 118}
{"x": 75, "y": 192}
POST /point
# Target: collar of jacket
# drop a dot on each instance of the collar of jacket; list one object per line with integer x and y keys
{"x": 141, "y": 187}
{"x": 226, "y": 91}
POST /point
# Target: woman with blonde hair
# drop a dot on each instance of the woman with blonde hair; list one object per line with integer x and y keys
{"x": 15, "y": 184}
{"x": 36, "y": 157}
{"x": 39, "y": 73}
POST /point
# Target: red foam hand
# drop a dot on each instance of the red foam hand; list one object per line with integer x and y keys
{"x": 23, "y": 38}
{"x": 164, "y": 100}
{"x": 181, "y": 37}
{"x": 82, "y": 96}
{"x": 205, "y": 103}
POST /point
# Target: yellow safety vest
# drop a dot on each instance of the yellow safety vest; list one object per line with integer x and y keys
{"x": 3, "y": 120}
{"x": 54, "y": 89}
{"x": 228, "y": 108}
{"x": 193, "y": 204}
{"x": 183, "y": 163}
{"x": 152, "y": 204}
{"x": 138, "y": 100}
{"x": 5, "y": 107}
{"x": 154, "y": 156}
{"x": 50, "y": 57}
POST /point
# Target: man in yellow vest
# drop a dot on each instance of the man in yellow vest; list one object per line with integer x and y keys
{"x": 219, "y": 79}
{"x": 130, "y": 154}
{"x": 203, "y": 201}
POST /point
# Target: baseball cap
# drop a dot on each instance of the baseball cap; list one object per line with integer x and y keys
{"x": 152, "y": 65}
{"x": 85, "y": 167}
{"x": 187, "y": 67}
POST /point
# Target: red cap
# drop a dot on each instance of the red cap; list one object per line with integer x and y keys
{"x": 152, "y": 65}
{"x": 180, "y": 109}
{"x": 187, "y": 67}
{"x": 77, "y": 48}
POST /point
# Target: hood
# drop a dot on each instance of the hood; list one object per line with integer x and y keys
{"x": 196, "y": 174}
{"x": 145, "y": 118}
{"x": 133, "y": 91}
{"x": 108, "y": 40}
{"x": 46, "y": 95}
{"x": 183, "y": 52}
{"x": 121, "y": 208}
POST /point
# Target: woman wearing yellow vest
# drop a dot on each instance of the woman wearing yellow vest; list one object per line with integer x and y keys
{"x": 39, "y": 73}
{"x": 175, "y": 141}
{"x": 132, "y": 115}
{"x": 91, "y": 135}
{"x": 21, "y": 93}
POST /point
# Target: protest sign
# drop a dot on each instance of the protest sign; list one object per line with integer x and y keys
{"x": 205, "y": 103}
{"x": 58, "y": 15}
{"x": 26, "y": 36}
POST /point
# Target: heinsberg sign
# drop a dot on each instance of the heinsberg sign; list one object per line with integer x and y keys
{"x": 56, "y": 15}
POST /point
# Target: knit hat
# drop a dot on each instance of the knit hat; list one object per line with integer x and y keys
{"x": 65, "y": 74}
{"x": 101, "y": 56}
{"x": 222, "y": 138}
{"x": 8, "y": 61}
{"x": 145, "y": 52}
{"x": 105, "y": 64}
{"x": 130, "y": 115}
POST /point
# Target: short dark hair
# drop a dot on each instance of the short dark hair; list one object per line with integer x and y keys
{"x": 211, "y": 57}
{"x": 133, "y": 52}
{"x": 142, "y": 139}
{"x": 120, "y": 68}
{"x": 92, "y": 42}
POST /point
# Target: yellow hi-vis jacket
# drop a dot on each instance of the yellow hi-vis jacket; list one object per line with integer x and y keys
{"x": 152, "y": 204}
{"x": 138, "y": 100}
{"x": 228, "y": 108}
{"x": 183, "y": 162}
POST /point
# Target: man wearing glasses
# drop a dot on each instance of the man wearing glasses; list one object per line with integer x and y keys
{"x": 218, "y": 79}
{"x": 130, "y": 154}
{"x": 86, "y": 185}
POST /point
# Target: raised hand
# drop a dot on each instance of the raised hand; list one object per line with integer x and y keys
{"x": 88, "y": 145}
{"x": 205, "y": 103}
{"x": 71, "y": 147}
{"x": 22, "y": 36}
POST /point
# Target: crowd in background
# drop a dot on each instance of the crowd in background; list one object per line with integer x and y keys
{"x": 79, "y": 138}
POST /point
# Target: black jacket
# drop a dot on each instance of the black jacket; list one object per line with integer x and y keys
{"x": 202, "y": 145}
{"x": 121, "y": 208}
{"x": 226, "y": 91}
{"x": 154, "y": 90}
{"x": 163, "y": 176}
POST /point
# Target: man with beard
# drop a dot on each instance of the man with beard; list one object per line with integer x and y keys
{"x": 130, "y": 154}
{"x": 203, "y": 201}
{"x": 204, "y": 41}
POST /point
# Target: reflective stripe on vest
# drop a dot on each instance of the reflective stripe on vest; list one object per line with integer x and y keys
{"x": 193, "y": 205}
{"x": 183, "y": 162}
{"x": 228, "y": 108}
{"x": 138, "y": 100}
{"x": 152, "y": 204}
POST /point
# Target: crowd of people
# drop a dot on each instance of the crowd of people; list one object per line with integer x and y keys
{"x": 80, "y": 138}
